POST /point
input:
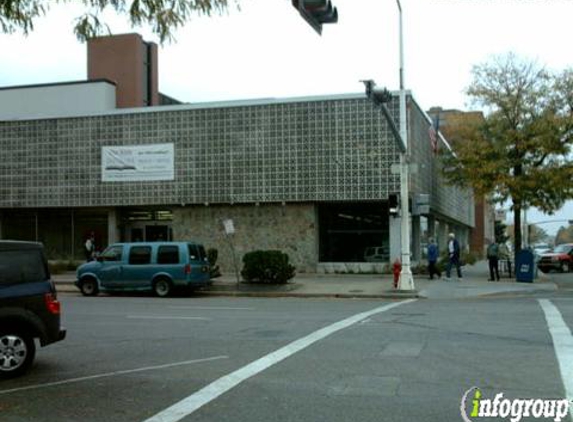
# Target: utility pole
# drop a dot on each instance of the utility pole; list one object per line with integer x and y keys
{"x": 406, "y": 281}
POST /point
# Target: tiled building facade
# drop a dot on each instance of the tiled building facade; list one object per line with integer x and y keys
{"x": 310, "y": 176}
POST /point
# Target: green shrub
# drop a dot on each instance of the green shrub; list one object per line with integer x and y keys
{"x": 267, "y": 267}
{"x": 420, "y": 269}
{"x": 58, "y": 267}
{"x": 212, "y": 256}
{"x": 469, "y": 258}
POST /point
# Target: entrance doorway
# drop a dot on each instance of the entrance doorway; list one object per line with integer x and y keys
{"x": 157, "y": 233}
{"x": 147, "y": 225}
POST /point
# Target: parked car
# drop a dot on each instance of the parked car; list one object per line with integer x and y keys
{"x": 540, "y": 249}
{"x": 29, "y": 307}
{"x": 159, "y": 267}
{"x": 377, "y": 254}
{"x": 560, "y": 258}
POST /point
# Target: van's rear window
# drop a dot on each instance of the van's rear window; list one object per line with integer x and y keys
{"x": 24, "y": 266}
{"x": 197, "y": 252}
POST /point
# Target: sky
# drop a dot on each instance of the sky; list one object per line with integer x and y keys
{"x": 266, "y": 50}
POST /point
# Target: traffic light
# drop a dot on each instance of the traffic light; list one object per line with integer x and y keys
{"x": 393, "y": 204}
{"x": 316, "y": 12}
{"x": 378, "y": 95}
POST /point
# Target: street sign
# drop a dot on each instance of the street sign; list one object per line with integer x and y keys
{"x": 500, "y": 215}
{"x": 421, "y": 204}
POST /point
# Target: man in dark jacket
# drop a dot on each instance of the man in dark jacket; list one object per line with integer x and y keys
{"x": 493, "y": 261}
{"x": 433, "y": 254}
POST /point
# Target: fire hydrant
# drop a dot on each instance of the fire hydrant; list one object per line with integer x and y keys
{"x": 396, "y": 269}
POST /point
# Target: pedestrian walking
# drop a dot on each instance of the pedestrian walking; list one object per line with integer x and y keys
{"x": 453, "y": 256}
{"x": 89, "y": 247}
{"x": 493, "y": 261}
{"x": 433, "y": 254}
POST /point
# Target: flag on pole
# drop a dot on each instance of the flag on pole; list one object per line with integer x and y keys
{"x": 433, "y": 132}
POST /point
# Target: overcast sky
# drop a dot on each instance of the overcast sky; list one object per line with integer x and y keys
{"x": 266, "y": 50}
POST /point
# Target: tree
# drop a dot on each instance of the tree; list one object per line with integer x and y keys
{"x": 519, "y": 152}
{"x": 164, "y": 16}
{"x": 564, "y": 235}
{"x": 537, "y": 235}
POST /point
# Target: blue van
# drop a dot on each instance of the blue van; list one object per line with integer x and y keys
{"x": 159, "y": 267}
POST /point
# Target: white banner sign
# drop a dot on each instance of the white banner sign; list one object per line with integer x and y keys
{"x": 137, "y": 163}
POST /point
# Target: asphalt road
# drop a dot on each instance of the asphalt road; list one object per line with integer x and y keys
{"x": 133, "y": 358}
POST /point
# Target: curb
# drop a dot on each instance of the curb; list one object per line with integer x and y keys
{"x": 67, "y": 288}
{"x": 388, "y": 295}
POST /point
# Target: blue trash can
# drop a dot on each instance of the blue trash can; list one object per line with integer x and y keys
{"x": 525, "y": 266}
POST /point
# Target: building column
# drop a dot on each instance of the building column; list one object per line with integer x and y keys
{"x": 112, "y": 227}
{"x": 1, "y": 222}
{"x": 394, "y": 234}
{"x": 416, "y": 238}
{"x": 442, "y": 236}
{"x": 465, "y": 238}
{"x": 431, "y": 227}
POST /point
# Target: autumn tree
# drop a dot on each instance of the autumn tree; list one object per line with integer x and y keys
{"x": 163, "y": 16}
{"x": 537, "y": 234}
{"x": 520, "y": 151}
{"x": 564, "y": 235}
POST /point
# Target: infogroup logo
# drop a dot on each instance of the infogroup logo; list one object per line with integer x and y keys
{"x": 514, "y": 409}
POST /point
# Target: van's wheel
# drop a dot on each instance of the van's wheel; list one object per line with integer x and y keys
{"x": 17, "y": 351}
{"x": 162, "y": 287}
{"x": 565, "y": 267}
{"x": 89, "y": 287}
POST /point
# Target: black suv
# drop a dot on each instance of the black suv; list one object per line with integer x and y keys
{"x": 29, "y": 308}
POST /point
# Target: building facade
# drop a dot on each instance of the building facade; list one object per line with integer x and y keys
{"x": 483, "y": 232}
{"x": 311, "y": 177}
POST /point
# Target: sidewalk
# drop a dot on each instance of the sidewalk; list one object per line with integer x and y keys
{"x": 372, "y": 286}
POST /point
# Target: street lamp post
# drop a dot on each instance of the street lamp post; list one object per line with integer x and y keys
{"x": 406, "y": 281}
{"x": 381, "y": 97}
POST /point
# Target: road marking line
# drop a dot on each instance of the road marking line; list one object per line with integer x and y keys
{"x": 217, "y": 308}
{"x": 563, "y": 345}
{"x": 209, "y": 393}
{"x": 111, "y": 374}
{"x": 165, "y": 317}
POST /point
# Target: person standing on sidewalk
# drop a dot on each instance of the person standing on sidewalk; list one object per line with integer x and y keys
{"x": 433, "y": 254}
{"x": 493, "y": 261}
{"x": 505, "y": 255}
{"x": 89, "y": 247}
{"x": 453, "y": 256}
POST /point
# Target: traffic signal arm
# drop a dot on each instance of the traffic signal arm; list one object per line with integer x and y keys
{"x": 316, "y": 12}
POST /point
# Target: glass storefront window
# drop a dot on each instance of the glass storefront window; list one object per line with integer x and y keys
{"x": 355, "y": 232}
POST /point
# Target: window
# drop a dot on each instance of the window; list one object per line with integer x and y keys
{"x": 23, "y": 266}
{"x": 202, "y": 253}
{"x": 168, "y": 255}
{"x": 140, "y": 255}
{"x": 356, "y": 232}
{"x": 112, "y": 253}
{"x": 193, "y": 252}
{"x": 197, "y": 252}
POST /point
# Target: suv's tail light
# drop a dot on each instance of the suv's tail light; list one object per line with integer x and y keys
{"x": 188, "y": 269}
{"x": 52, "y": 303}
